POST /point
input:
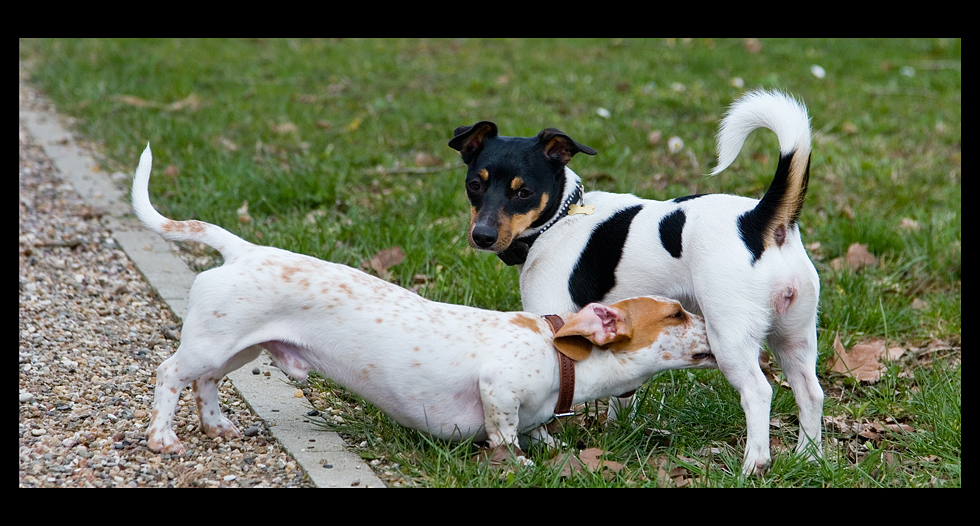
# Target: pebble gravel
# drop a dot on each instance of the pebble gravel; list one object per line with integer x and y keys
{"x": 92, "y": 334}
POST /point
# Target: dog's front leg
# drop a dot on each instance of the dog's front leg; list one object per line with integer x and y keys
{"x": 541, "y": 434}
{"x": 620, "y": 405}
{"x": 501, "y": 406}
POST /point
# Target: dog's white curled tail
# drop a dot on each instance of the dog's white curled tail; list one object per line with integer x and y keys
{"x": 772, "y": 220}
{"x": 784, "y": 115}
{"x": 222, "y": 240}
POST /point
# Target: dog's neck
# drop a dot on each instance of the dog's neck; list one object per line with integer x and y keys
{"x": 573, "y": 192}
{"x": 604, "y": 373}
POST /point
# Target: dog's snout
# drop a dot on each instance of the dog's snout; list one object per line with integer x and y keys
{"x": 484, "y": 236}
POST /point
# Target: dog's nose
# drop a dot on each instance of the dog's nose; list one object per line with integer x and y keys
{"x": 484, "y": 236}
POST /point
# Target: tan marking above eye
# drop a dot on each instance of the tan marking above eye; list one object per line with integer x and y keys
{"x": 516, "y": 183}
{"x": 484, "y": 174}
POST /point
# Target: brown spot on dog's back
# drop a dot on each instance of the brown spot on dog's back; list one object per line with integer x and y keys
{"x": 527, "y": 322}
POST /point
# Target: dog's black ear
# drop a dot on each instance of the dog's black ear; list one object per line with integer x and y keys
{"x": 560, "y": 147}
{"x": 468, "y": 140}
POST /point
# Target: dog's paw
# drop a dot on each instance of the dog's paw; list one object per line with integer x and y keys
{"x": 757, "y": 467}
{"x": 221, "y": 428}
{"x": 164, "y": 442}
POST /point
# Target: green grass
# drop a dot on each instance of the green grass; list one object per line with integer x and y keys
{"x": 320, "y": 138}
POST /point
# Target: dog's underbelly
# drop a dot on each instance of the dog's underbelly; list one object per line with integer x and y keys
{"x": 448, "y": 408}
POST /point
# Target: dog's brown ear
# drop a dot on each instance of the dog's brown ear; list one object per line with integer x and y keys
{"x": 574, "y": 346}
{"x": 560, "y": 147}
{"x": 468, "y": 140}
{"x": 595, "y": 325}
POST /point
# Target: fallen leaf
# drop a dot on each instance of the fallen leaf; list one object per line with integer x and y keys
{"x": 569, "y": 464}
{"x": 285, "y": 127}
{"x": 863, "y": 361}
{"x": 227, "y": 144}
{"x": 427, "y": 159}
{"x": 383, "y": 260}
{"x": 857, "y": 256}
{"x": 590, "y": 459}
{"x": 499, "y": 456}
{"x": 910, "y": 225}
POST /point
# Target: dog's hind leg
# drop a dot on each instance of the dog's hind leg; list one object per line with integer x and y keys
{"x": 736, "y": 348}
{"x": 798, "y": 356}
{"x": 204, "y": 361}
{"x": 213, "y": 423}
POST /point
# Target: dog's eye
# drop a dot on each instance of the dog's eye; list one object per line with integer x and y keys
{"x": 524, "y": 192}
{"x": 679, "y": 315}
{"x": 473, "y": 186}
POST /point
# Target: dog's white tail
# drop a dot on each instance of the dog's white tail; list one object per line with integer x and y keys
{"x": 224, "y": 241}
{"x": 768, "y": 224}
{"x": 781, "y": 113}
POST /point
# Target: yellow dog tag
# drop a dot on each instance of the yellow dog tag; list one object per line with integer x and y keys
{"x": 576, "y": 209}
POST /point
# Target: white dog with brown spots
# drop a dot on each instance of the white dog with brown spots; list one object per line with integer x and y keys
{"x": 449, "y": 370}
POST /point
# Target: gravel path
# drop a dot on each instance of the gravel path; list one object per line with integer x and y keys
{"x": 92, "y": 334}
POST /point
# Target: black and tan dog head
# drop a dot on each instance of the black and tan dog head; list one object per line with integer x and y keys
{"x": 513, "y": 183}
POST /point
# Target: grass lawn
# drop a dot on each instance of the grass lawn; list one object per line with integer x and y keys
{"x": 337, "y": 149}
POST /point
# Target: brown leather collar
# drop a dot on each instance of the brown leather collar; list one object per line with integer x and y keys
{"x": 566, "y": 370}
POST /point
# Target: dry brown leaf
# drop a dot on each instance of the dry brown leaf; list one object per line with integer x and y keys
{"x": 752, "y": 45}
{"x": 863, "y": 361}
{"x": 569, "y": 464}
{"x": 427, "y": 159}
{"x": 590, "y": 459}
{"x": 499, "y": 456}
{"x": 857, "y": 256}
{"x": 909, "y": 225}
{"x": 919, "y": 304}
{"x": 383, "y": 260}
{"x": 227, "y": 144}
{"x": 285, "y": 128}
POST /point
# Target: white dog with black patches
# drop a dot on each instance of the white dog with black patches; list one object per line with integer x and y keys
{"x": 450, "y": 370}
{"x": 737, "y": 260}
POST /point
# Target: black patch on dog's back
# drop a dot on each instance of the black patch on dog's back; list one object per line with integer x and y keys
{"x": 686, "y": 198}
{"x": 595, "y": 273}
{"x": 671, "y": 227}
